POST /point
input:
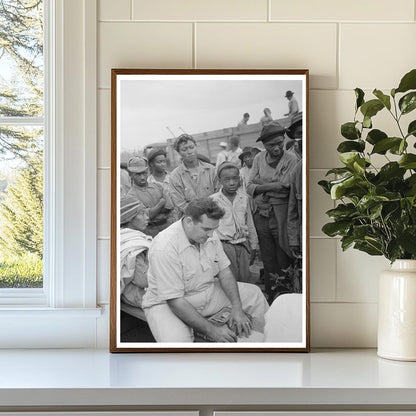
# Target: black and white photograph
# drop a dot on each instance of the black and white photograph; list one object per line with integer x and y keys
{"x": 209, "y": 231}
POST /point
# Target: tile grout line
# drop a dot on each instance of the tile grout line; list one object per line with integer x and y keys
{"x": 269, "y": 10}
{"x": 336, "y": 272}
{"x": 338, "y": 63}
{"x": 306, "y": 22}
{"x": 194, "y": 62}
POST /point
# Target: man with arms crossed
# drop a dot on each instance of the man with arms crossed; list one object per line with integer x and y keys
{"x": 184, "y": 261}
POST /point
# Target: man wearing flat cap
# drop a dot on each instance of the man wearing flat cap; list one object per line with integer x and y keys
{"x": 151, "y": 195}
{"x": 268, "y": 184}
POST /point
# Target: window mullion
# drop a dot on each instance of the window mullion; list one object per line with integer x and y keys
{"x": 22, "y": 121}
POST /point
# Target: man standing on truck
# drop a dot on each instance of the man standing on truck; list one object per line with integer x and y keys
{"x": 193, "y": 178}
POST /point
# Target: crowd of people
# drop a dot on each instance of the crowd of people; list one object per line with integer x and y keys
{"x": 205, "y": 224}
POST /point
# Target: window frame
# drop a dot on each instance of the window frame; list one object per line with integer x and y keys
{"x": 70, "y": 208}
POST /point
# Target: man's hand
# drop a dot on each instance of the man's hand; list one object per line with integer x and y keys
{"x": 240, "y": 322}
{"x": 222, "y": 334}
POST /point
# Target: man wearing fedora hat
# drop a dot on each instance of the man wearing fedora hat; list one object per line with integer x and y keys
{"x": 293, "y": 104}
{"x": 268, "y": 184}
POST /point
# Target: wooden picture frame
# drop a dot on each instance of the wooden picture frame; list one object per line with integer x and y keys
{"x": 150, "y": 109}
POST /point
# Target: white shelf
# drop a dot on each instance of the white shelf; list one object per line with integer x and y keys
{"x": 56, "y": 378}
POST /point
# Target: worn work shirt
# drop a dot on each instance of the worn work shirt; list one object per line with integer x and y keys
{"x": 244, "y": 175}
{"x": 184, "y": 188}
{"x": 293, "y": 106}
{"x": 236, "y": 226}
{"x": 262, "y": 173}
{"x": 294, "y": 211}
{"x": 164, "y": 183}
{"x": 179, "y": 269}
{"x": 150, "y": 196}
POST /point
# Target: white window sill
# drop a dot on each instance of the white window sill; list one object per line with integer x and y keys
{"x": 39, "y": 327}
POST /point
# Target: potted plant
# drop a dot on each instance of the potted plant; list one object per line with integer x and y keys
{"x": 376, "y": 206}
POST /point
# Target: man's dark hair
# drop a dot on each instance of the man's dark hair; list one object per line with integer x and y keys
{"x": 234, "y": 140}
{"x": 183, "y": 138}
{"x": 246, "y": 115}
{"x": 198, "y": 207}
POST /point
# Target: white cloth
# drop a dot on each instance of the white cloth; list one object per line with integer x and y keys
{"x": 132, "y": 243}
{"x": 284, "y": 319}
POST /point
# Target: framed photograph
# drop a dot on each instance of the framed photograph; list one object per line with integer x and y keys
{"x": 209, "y": 211}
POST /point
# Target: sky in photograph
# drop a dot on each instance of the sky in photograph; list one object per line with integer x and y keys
{"x": 155, "y": 110}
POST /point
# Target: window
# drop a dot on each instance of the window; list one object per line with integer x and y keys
{"x": 22, "y": 132}
{"x": 63, "y": 313}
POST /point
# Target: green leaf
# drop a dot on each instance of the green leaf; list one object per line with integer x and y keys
{"x": 408, "y": 82}
{"x": 375, "y": 135}
{"x": 359, "y": 95}
{"x": 407, "y": 240}
{"x": 393, "y": 250}
{"x": 371, "y": 108}
{"x": 391, "y": 170}
{"x": 342, "y": 211}
{"x": 338, "y": 171}
{"x": 369, "y": 248}
{"x": 336, "y": 228}
{"x": 398, "y": 149}
{"x": 375, "y": 212}
{"x": 325, "y": 186}
{"x": 411, "y": 130}
{"x": 349, "y": 187}
{"x": 349, "y": 131}
{"x": 348, "y": 158}
{"x": 346, "y": 242}
{"x": 383, "y": 145}
{"x": 349, "y": 146}
{"x": 407, "y": 103}
{"x": 369, "y": 201}
{"x": 385, "y": 99}
{"x": 408, "y": 161}
{"x": 367, "y": 122}
{"x": 361, "y": 231}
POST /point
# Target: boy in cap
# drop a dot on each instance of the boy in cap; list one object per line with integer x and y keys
{"x": 268, "y": 185}
{"x": 247, "y": 157}
{"x": 151, "y": 195}
{"x": 236, "y": 228}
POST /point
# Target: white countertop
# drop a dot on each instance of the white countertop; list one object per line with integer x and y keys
{"x": 96, "y": 377}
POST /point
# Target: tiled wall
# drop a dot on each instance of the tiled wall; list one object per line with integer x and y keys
{"x": 344, "y": 43}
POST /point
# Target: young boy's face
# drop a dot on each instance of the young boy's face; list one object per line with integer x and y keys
{"x": 230, "y": 180}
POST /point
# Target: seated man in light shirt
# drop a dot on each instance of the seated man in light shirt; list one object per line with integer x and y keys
{"x": 190, "y": 280}
{"x": 236, "y": 230}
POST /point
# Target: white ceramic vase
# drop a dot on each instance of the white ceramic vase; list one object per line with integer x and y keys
{"x": 397, "y": 312}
